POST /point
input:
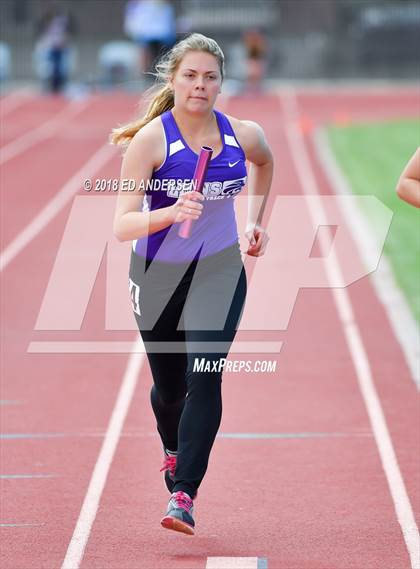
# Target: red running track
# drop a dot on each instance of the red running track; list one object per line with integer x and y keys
{"x": 313, "y": 497}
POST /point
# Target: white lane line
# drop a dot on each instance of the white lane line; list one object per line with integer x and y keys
{"x": 254, "y": 436}
{"x": 24, "y": 476}
{"x": 20, "y": 525}
{"x": 13, "y": 100}
{"x": 348, "y": 88}
{"x": 357, "y": 350}
{"x": 232, "y": 563}
{"x": 45, "y": 130}
{"x": 115, "y": 347}
{"x": 399, "y": 314}
{"x": 90, "y": 505}
{"x": 142, "y": 434}
{"x": 95, "y": 162}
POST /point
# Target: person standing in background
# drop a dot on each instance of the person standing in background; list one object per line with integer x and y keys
{"x": 151, "y": 24}
{"x": 54, "y": 32}
{"x": 256, "y": 52}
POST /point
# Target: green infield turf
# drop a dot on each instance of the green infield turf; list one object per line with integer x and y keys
{"x": 372, "y": 158}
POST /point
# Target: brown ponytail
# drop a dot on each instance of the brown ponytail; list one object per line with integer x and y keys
{"x": 162, "y": 101}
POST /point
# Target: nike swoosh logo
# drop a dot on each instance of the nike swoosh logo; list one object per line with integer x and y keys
{"x": 232, "y": 164}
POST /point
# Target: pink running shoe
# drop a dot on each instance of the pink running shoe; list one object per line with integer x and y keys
{"x": 179, "y": 515}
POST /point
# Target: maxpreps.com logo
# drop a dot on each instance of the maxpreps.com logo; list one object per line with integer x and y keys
{"x": 211, "y": 190}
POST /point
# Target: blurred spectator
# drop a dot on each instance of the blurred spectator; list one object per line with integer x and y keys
{"x": 5, "y": 62}
{"x": 408, "y": 187}
{"x": 256, "y": 52}
{"x": 54, "y": 31}
{"x": 151, "y": 24}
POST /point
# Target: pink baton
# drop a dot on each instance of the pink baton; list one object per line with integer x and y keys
{"x": 198, "y": 183}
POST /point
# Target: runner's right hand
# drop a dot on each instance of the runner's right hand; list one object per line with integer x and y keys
{"x": 187, "y": 207}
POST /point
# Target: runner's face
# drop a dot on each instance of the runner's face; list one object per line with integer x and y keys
{"x": 197, "y": 82}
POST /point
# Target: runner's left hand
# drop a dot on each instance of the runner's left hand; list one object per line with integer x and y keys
{"x": 258, "y": 239}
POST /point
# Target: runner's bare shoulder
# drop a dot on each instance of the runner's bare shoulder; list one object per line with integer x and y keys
{"x": 148, "y": 144}
{"x": 251, "y": 137}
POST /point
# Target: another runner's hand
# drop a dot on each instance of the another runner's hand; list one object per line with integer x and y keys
{"x": 258, "y": 239}
{"x": 187, "y": 207}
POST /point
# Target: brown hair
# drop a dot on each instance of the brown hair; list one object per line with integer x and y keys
{"x": 161, "y": 96}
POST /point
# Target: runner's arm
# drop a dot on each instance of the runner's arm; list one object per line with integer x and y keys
{"x": 408, "y": 187}
{"x": 138, "y": 164}
{"x": 260, "y": 176}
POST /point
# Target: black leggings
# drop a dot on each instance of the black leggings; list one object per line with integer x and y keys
{"x": 186, "y": 312}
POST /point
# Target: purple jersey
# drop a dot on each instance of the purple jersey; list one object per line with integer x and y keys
{"x": 226, "y": 176}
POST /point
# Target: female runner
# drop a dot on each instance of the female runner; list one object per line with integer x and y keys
{"x": 188, "y": 294}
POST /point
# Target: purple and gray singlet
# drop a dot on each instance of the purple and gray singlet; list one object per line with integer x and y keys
{"x": 226, "y": 177}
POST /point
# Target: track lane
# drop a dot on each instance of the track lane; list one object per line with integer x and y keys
{"x": 59, "y": 394}
{"x": 29, "y": 186}
{"x": 397, "y": 392}
{"x": 293, "y": 526}
{"x": 32, "y": 112}
{"x": 300, "y": 515}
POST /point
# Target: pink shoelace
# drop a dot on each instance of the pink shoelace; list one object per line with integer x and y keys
{"x": 182, "y": 500}
{"x": 169, "y": 464}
